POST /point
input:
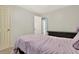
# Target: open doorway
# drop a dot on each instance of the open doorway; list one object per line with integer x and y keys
{"x": 40, "y": 25}
{"x": 45, "y": 25}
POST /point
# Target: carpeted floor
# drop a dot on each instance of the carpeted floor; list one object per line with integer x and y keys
{"x": 6, "y": 51}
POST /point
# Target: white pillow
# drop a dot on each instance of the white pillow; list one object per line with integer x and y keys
{"x": 76, "y": 41}
{"x": 76, "y": 38}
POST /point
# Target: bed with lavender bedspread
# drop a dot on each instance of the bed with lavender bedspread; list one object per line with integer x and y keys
{"x": 44, "y": 44}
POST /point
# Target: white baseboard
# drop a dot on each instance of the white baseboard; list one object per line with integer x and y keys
{"x": 4, "y": 48}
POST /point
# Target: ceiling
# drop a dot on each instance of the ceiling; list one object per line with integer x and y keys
{"x": 42, "y": 9}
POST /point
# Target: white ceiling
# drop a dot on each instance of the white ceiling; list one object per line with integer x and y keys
{"x": 42, "y": 9}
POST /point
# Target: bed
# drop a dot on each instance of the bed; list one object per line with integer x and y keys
{"x": 45, "y": 44}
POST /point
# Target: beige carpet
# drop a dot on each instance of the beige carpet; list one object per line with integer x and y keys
{"x": 6, "y": 51}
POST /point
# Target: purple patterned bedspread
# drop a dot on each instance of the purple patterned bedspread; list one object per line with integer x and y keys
{"x": 44, "y": 44}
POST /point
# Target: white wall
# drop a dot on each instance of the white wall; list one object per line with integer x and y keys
{"x": 22, "y": 22}
{"x": 64, "y": 19}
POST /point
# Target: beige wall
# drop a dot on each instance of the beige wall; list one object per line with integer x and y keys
{"x": 65, "y": 19}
